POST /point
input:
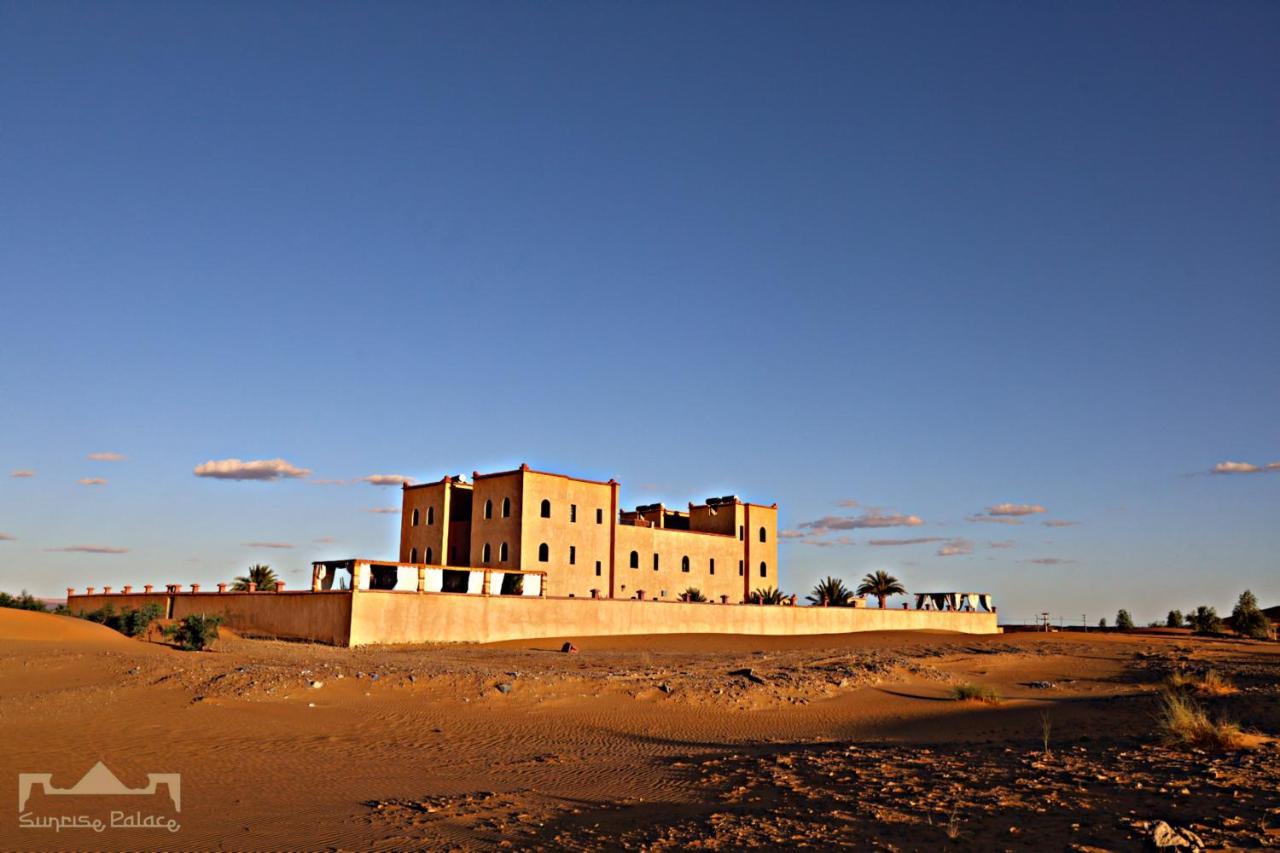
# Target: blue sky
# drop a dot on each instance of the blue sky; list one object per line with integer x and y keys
{"x": 927, "y": 258}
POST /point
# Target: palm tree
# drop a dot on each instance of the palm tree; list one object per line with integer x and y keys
{"x": 881, "y": 584}
{"x": 831, "y": 592}
{"x": 694, "y": 594}
{"x": 260, "y": 577}
{"x": 768, "y": 595}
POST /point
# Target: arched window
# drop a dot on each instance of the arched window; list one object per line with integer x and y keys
{"x": 488, "y": 512}
{"x": 502, "y": 553}
{"x": 763, "y": 536}
{"x": 413, "y": 555}
{"x": 546, "y": 508}
{"x": 764, "y": 570}
{"x": 635, "y": 559}
{"x": 544, "y": 553}
{"x": 506, "y": 507}
{"x": 684, "y": 564}
{"x": 484, "y": 553}
{"x": 431, "y": 515}
{"x": 428, "y": 559}
{"x": 415, "y": 517}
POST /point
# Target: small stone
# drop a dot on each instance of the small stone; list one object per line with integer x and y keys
{"x": 316, "y": 685}
{"x": 503, "y": 687}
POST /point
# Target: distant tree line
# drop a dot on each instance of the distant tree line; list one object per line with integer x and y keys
{"x": 1246, "y": 620}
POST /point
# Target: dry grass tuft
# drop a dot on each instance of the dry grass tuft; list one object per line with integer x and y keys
{"x": 975, "y": 693}
{"x": 1184, "y": 722}
{"x": 1211, "y": 683}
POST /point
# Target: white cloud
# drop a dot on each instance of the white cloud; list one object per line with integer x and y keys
{"x": 870, "y": 519}
{"x": 956, "y": 548}
{"x": 107, "y": 456}
{"x": 1058, "y": 522}
{"x": 325, "y": 540}
{"x": 837, "y": 542}
{"x": 90, "y": 549}
{"x": 93, "y": 481}
{"x": 387, "y": 480}
{"x": 994, "y": 519}
{"x": 23, "y": 474}
{"x": 1050, "y": 561}
{"x": 385, "y": 510}
{"x": 792, "y": 534}
{"x": 329, "y": 482}
{"x": 5, "y": 537}
{"x": 278, "y": 545}
{"x": 255, "y": 469}
{"x": 918, "y": 541}
{"x": 1244, "y": 468}
{"x": 1008, "y": 543}
{"x": 848, "y": 503}
{"x": 1015, "y": 509}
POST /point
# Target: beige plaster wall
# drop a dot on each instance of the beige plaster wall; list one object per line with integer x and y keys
{"x": 390, "y": 617}
{"x": 423, "y": 535}
{"x": 589, "y": 540}
{"x": 496, "y": 530}
{"x": 672, "y": 546}
{"x": 323, "y": 617}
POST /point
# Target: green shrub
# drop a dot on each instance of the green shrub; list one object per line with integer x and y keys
{"x": 1174, "y": 619}
{"x": 130, "y": 622}
{"x": 22, "y": 601}
{"x": 1204, "y": 620}
{"x": 693, "y": 594}
{"x": 1248, "y": 620}
{"x": 1124, "y": 622}
{"x": 195, "y": 633}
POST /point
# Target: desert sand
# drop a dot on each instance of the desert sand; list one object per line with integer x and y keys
{"x": 673, "y": 741}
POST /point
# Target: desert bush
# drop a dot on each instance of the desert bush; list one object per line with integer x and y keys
{"x": 1211, "y": 683}
{"x": 1174, "y": 619}
{"x": 1124, "y": 622}
{"x": 1102, "y": 623}
{"x": 1184, "y": 722}
{"x": 195, "y": 633}
{"x": 1248, "y": 620}
{"x": 693, "y": 594}
{"x": 1205, "y": 620}
{"x": 975, "y": 693}
{"x": 22, "y": 601}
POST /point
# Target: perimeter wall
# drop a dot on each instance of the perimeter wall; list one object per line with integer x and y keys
{"x": 375, "y": 616}
{"x": 391, "y": 617}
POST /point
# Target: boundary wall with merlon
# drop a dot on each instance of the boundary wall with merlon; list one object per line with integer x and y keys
{"x": 393, "y": 617}
{"x": 321, "y": 617}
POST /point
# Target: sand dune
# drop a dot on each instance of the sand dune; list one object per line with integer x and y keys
{"x": 643, "y": 742}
